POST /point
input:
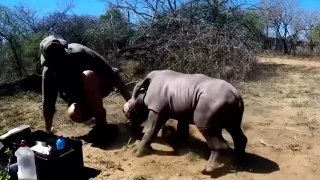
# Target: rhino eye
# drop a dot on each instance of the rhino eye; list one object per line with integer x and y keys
{"x": 142, "y": 90}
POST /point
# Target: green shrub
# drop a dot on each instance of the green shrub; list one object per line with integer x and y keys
{"x": 4, "y": 171}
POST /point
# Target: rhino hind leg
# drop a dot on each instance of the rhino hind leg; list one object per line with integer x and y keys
{"x": 240, "y": 141}
{"x": 239, "y": 138}
{"x": 217, "y": 145}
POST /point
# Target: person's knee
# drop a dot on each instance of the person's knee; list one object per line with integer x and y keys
{"x": 76, "y": 114}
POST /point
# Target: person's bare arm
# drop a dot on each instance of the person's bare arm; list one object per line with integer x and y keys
{"x": 110, "y": 72}
{"x": 121, "y": 86}
{"x": 49, "y": 97}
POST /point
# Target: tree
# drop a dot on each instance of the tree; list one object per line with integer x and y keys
{"x": 74, "y": 28}
{"x": 111, "y": 32}
{"x": 311, "y": 21}
{"x": 212, "y": 37}
{"x": 21, "y": 31}
{"x": 315, "y": 35}
{"x": 281, "y": 15}
{"x": 117, "y": 25}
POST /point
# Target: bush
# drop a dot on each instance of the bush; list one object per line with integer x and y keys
{"x": 4, "y": 171}
{"x": 209, "y": 51}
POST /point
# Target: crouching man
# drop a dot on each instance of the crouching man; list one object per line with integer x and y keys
{"x": 81, "y": 77}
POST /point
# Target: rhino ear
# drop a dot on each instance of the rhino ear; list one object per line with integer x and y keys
{"x": 145, "y": 84}
{"x": 141, "y": 87}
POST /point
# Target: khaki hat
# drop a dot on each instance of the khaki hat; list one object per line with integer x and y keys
{"x": 47, "y": 42}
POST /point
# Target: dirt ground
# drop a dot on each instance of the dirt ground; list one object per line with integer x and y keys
{"x": 281, "y": 121}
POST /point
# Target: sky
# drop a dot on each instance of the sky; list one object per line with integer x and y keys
{"x": 97, "y": 7}
{"x": 89, "y": 7}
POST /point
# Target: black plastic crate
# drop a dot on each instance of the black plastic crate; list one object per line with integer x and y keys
{"x": 60, "y": 164}
{"x": 13, "y": 141}
{"x": 64, "y": 164}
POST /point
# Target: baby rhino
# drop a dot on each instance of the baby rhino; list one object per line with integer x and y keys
{"x": 211, "y": 104}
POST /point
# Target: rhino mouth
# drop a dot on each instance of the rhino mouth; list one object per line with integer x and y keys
{"x": 130, "y": 113}
{"x": 136, "y": 115}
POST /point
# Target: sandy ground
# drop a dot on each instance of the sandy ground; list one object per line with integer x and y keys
{"x": 281, "y": 121}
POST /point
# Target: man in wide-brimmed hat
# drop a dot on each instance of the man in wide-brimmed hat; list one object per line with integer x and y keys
{"x": 82, "y": 78}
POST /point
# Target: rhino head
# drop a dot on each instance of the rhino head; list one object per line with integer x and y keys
{"x": 135, "y": 109}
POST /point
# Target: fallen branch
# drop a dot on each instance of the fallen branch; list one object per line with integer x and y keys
{"x": 29, "y": 83}
{"x": 270, "y": 145}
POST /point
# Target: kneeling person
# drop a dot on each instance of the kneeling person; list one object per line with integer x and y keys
{"x": 81, "y": 77}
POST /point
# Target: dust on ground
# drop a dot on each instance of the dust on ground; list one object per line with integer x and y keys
{"x": 281, "y": 121}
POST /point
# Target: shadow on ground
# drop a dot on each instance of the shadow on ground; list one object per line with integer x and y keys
{"x": 119, "y": 135}
{"x": 180, "y": 148}
{"x": 252, "y": 164}
{"x": 89, "y": 173}
{"x": 193, "y": 145}
{"x": 115, "y": 136}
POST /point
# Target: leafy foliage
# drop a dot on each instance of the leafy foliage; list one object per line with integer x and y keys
{"x": 316, "y": 34}
{"x": 4, "y": 172}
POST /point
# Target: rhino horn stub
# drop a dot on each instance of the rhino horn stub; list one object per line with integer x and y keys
{"x": 126, "y": 109}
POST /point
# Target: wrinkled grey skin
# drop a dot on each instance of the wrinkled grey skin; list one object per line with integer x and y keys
{"x": 211, "y": 104}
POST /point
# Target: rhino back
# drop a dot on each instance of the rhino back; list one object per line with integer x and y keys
{"x": 173, "y": 92}
{"x": 219, "y": 90}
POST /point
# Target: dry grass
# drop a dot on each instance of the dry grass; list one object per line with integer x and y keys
{"x": 193, "y": 157}
{"x": 141, "y": 177}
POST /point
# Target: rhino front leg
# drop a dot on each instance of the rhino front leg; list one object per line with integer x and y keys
{"x": 154, "y": 124}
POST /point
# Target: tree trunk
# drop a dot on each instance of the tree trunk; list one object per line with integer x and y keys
{"x": 18, "y": 61}
{"x": 285, "y": 46}
{"x": 292, "y": 47}
{"x": 311, "y": 45}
